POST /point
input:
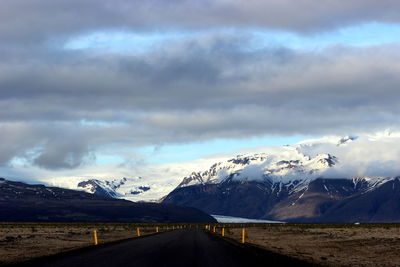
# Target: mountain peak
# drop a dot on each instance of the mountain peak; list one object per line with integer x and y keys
{"x": 260, "y": 167}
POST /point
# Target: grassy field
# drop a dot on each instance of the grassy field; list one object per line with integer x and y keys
{"x": 327, "y": 244}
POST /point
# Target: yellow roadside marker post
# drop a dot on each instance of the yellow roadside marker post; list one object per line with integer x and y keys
{"x": 223, "y": 231}
{"x": 138, "y": 231}
{"x": 95, "y": 241}
{"x": 156, "y": 229}
{"x": 243, "y": 235}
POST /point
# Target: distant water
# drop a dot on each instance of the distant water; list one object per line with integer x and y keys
{"x": 229, "y": 219}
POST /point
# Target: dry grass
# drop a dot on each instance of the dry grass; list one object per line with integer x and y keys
{"x": 328, "y": 244}
{"x": 332, "y": 245}
{"x": 20, "y": 242}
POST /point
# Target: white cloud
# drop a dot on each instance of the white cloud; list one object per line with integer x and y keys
{"x": 370, "y": 155}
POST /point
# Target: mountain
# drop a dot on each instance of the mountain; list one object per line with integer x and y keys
{"x": 261, "y": 167}
{"x": 25, "y": 202}
{"x": 114, "y": 188}
{"x": 294, "y": 184}
{"x": 133, "y": 189}
{"x": 313, "y": 180}
{"x": 318, "y": 200}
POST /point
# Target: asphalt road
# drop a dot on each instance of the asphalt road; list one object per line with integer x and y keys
{"x": 187, "y": 247}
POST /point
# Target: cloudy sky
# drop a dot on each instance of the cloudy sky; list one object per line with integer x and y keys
{"x": 106, "y": 87}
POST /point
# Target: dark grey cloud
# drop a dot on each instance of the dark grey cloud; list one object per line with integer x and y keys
{"x": 57, "y": 113}
{"x": 59, "y": 107}
{"x": 32, "y": 21}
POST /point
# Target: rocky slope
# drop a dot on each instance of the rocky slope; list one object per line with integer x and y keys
{"x": 318, "y": 200}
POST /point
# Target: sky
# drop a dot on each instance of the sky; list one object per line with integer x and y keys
{"x": 92, "y": 88}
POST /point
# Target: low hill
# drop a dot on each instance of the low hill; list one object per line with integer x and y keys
{"x": 38, "y": 203}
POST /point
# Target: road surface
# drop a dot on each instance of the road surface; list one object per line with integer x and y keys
{"x": 179, "y": 248}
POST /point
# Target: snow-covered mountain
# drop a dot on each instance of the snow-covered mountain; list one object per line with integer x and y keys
{"x": 134, "y": 189}
{"x": 330, "y": 157}
{"x": 115, "y": 188}
{"x": 335, "y": 179}
{"x": 263, "y": 167}
{"x": 373, "y": 158}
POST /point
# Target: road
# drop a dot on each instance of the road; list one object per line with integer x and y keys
{"x": 186, "y": 248}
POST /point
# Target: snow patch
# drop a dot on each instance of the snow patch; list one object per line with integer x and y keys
{"x": 229, "y": 219}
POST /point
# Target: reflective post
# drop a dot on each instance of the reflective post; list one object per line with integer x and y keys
{"x": 138, "y": 231}
{"x": 96, "y": 242}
